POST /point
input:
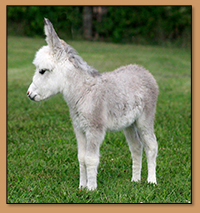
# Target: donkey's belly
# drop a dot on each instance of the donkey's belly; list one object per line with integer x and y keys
{"x": 117, "y": 121}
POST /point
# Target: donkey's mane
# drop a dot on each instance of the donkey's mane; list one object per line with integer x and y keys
{"x": 79, "y": 62}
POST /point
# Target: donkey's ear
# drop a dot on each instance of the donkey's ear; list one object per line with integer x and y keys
{"x": 52, "y": 38}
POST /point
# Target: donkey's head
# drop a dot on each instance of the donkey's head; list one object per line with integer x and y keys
{"x": 49, "y": 61}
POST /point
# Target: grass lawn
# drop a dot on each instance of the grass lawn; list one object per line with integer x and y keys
{"x": 42, "y": 164}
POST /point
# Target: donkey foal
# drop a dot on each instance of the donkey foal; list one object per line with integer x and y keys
{"x": 99, "y": 102}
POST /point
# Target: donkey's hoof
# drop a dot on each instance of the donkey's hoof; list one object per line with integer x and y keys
{"x": 152, "y": 181}
{"x": 82, "y": 187}
{"x": 134, "y": 179}
{"x": 92, "y": 188}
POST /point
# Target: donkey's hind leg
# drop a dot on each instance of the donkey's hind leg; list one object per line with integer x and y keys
{"x": 136, "y": 149}
{"x": 148, "y": 138}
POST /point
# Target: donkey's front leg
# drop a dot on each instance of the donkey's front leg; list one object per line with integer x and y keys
{"x": 81, "y": 140}
{"x": 94, "y": 140}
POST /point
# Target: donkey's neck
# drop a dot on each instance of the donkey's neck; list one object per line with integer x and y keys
{"x": 78, "y": 83}
{"x": 79, "y": 79}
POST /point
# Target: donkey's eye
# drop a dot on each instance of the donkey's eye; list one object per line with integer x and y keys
{"x": 42, "y": 71}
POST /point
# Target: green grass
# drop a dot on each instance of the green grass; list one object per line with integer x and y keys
{"x": 42, "y": 165}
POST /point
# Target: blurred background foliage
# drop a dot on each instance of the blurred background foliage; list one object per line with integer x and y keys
{"x": 155, "y": 25}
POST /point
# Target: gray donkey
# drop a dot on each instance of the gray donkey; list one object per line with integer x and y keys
{"x": 99, "y": 102}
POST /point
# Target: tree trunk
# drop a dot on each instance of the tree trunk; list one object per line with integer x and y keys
{"x": 87, "y": 23}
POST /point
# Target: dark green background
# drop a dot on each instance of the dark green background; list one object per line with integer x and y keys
{"x": 134, "y": 24}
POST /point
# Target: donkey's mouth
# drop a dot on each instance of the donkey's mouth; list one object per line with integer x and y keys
{"x": 31, "y": 97}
